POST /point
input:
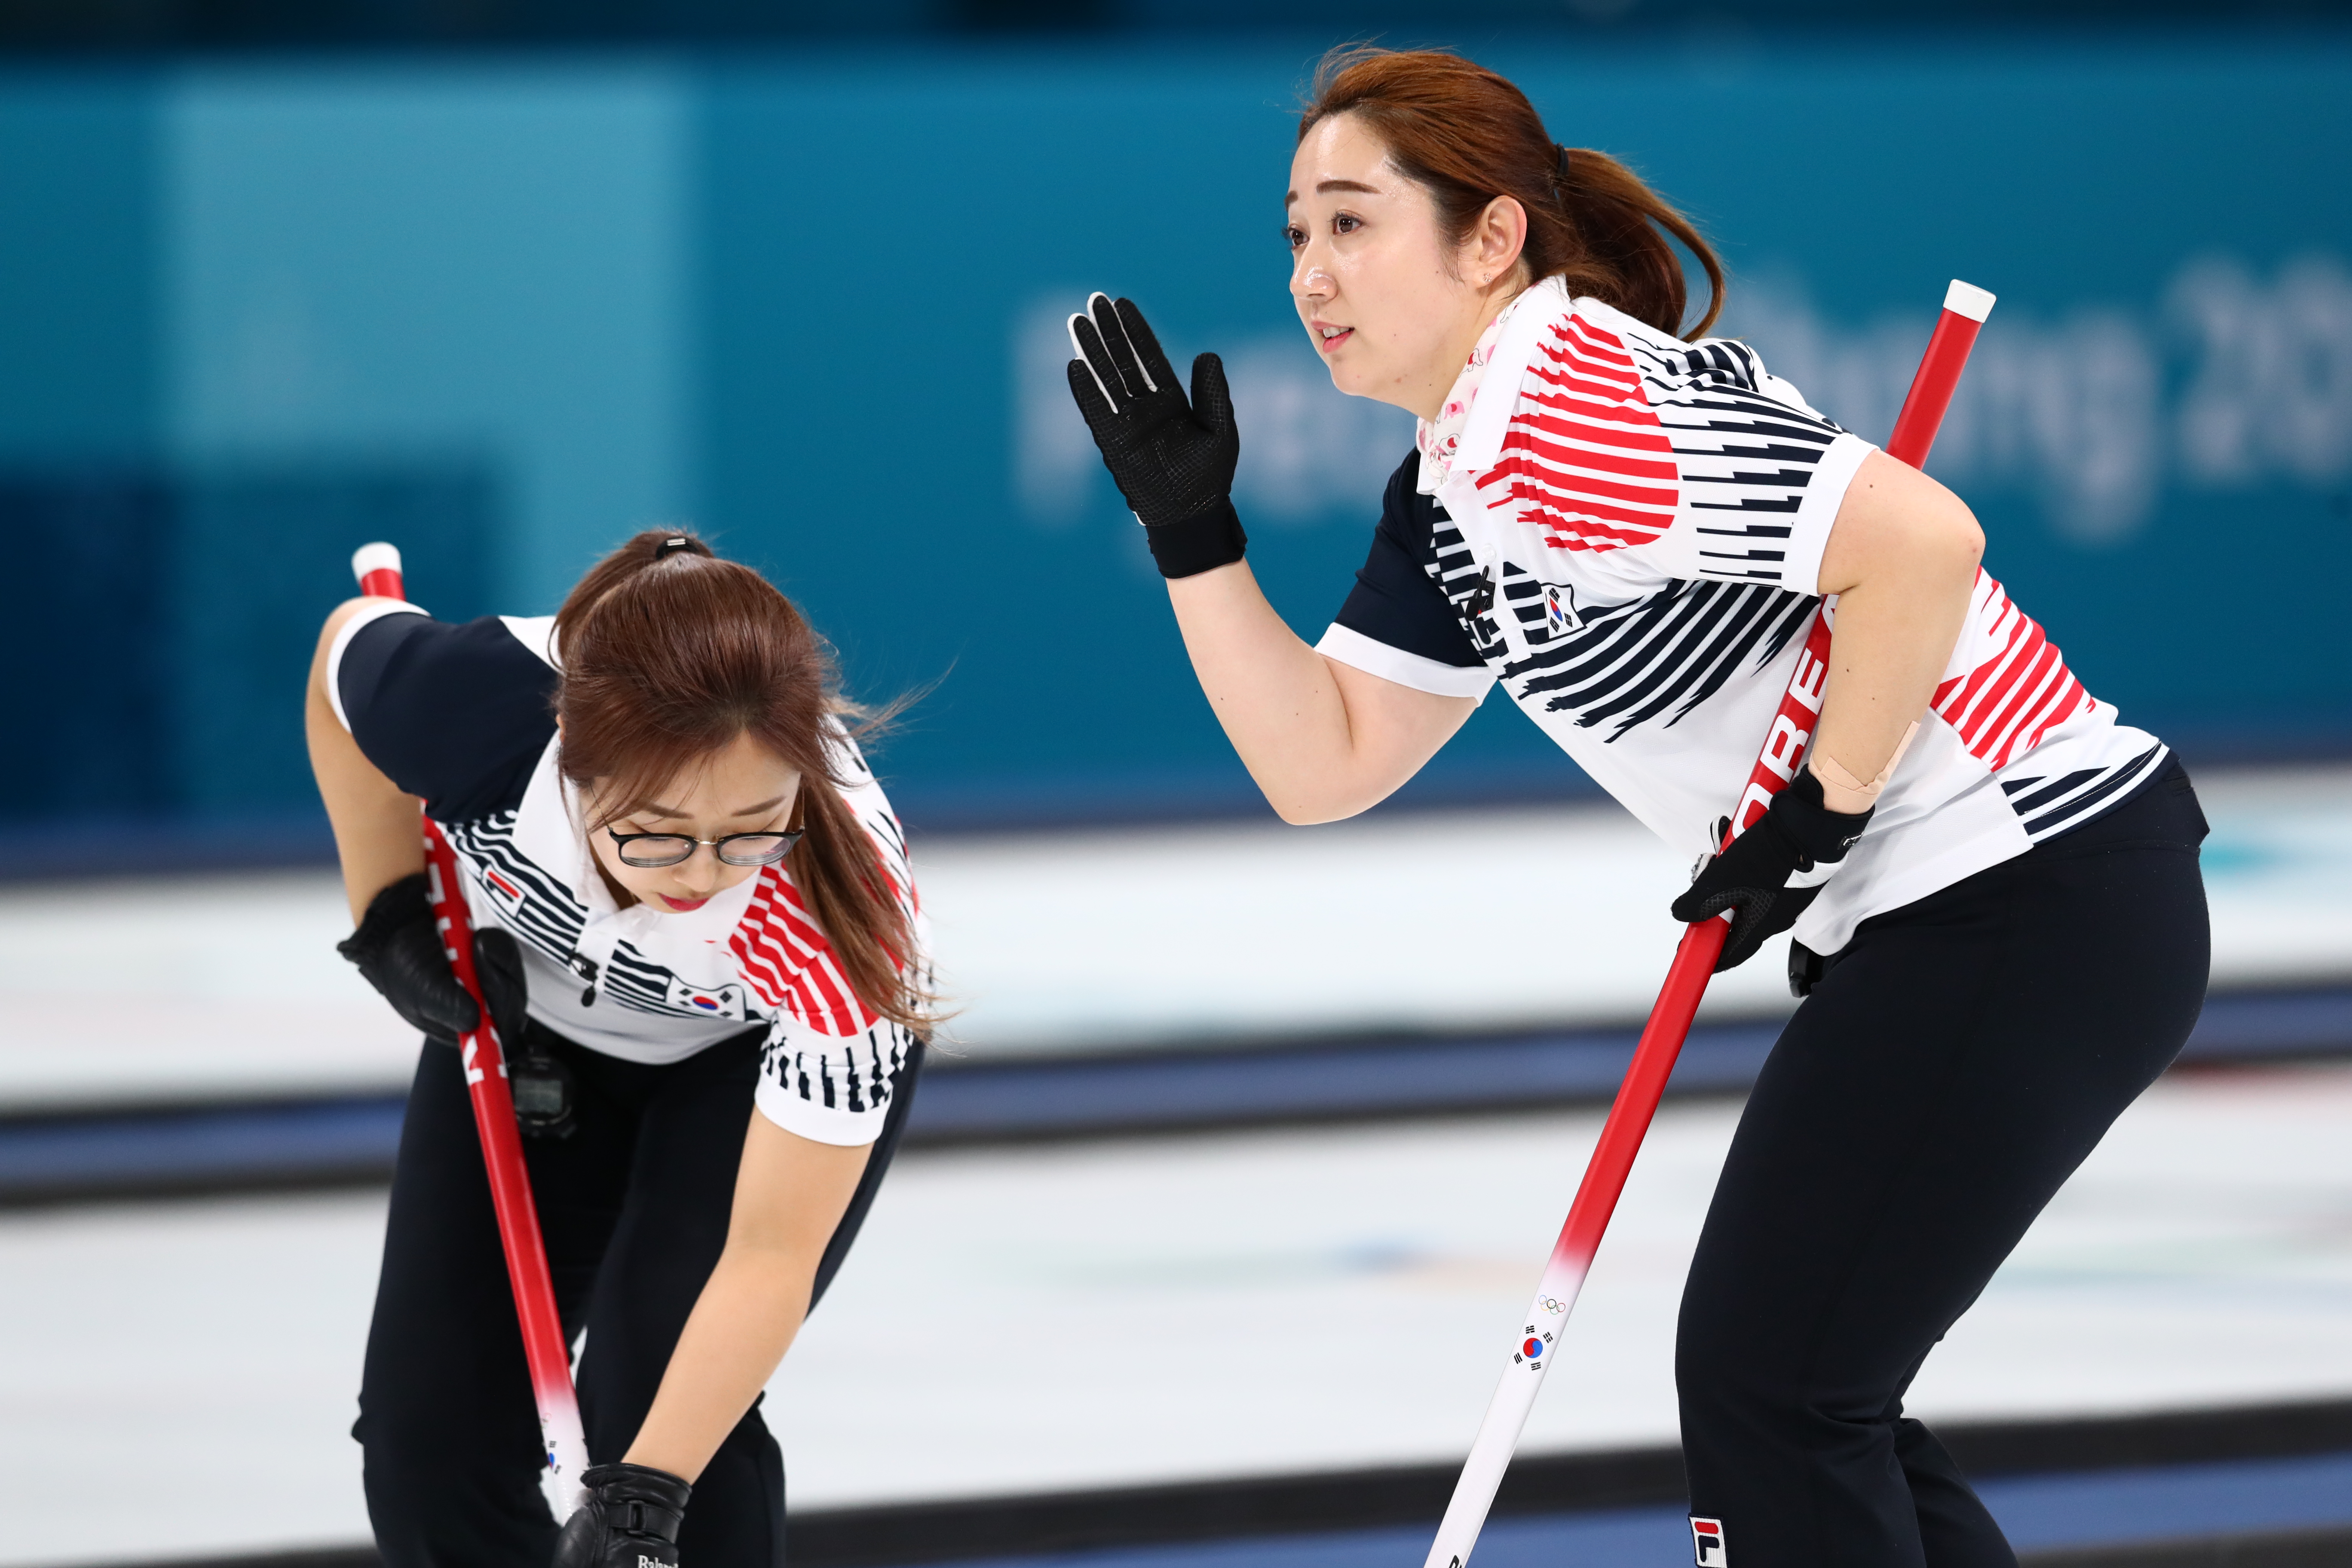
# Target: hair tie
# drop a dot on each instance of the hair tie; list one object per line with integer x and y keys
{"x": 1559, "y": 175}
{"x": 670, "y": 546}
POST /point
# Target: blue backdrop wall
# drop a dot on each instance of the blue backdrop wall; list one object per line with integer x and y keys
{"x": 505, "y": 312}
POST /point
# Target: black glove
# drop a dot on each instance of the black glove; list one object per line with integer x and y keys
{"x": 1773, "y": 870}
{"x": 1172, "y": 460}
{"x": 630, "y": 1520}
{"x": 398, "y": 948}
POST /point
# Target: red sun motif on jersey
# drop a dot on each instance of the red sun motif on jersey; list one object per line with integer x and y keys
{"x": 1585, "y": 457}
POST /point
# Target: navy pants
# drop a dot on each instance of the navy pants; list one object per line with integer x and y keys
{"x": 634, "y": 1207}
{"x": 1954, "y": 1064}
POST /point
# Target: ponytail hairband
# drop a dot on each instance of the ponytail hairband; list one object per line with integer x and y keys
{"x": 1559, "y": 175}
{"x": 669, "y": 547}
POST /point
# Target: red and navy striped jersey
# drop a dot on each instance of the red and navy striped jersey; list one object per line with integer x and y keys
{"x": 1629, "y": 540}
{"x": 463, "y": 716}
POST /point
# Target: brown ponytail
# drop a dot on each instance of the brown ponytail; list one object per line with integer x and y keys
{"x": 1467, "y": 136}
{"x": 669, "y": 654}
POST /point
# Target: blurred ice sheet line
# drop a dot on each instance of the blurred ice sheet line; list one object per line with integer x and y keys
{"x": 226, "y": 987}
{"x": 204, "y": 988}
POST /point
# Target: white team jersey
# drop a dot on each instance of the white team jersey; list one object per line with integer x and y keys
{"x": 1630, "y": 540}
{"x": 461, "y": 715}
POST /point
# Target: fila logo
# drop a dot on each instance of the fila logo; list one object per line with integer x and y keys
{"x": 1707, "y": 1549}
{"x": 1559, "y": 610}
{"x": 505, "y": 891}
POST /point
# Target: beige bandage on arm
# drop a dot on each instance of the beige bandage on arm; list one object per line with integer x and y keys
{"x": 1843, "y": 793}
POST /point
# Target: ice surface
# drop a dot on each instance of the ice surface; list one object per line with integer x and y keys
{"x": 1095, "y": 1314}
{"x": 226, "y": 987}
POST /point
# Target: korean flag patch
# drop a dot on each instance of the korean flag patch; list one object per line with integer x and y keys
{"x": 720, "y": 1002}
{"x": 1707, "y": 1549}
{"x": 1559, "y": 610}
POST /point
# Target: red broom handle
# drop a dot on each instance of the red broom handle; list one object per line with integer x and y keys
{"x": 1965, "y": 309}
{"x": 563, "y": 1440}
{"x": 1966, "y": 306}
{"x": 377, "y": 566}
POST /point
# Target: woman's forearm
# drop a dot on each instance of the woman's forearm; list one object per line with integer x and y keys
{"x": 1276, "y": 698}
{"x": 790, "y": 1195}
{"x": 376, "y": 834}
{"x": 1892, "y": 642}
{"x": 746, "y": 1318}
{"x": 1903, "y": 561}
{"x": 1322, "y": 740}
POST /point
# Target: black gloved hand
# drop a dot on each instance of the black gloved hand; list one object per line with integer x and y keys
{"x": 630, "y": 1520}
{"x": 398, "y": 948}
{"x": 1773, "y": 870}
{"x": 1172, "y": 460}
{"x": 497, "y": 964}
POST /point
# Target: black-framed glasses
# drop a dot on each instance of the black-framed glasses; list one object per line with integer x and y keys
{"x": 650, "y": 851}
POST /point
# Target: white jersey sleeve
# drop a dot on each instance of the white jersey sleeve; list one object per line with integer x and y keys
{"x": 830, "y": 1065}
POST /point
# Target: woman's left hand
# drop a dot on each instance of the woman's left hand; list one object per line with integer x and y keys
{"x": 630, "y": 1520}
{"x": 1902, "y": 560}
{"x": 1769, "y": 874}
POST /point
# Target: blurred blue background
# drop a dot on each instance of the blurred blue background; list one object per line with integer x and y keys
{"x": 804, "y": 290}
{"x": 503, "y": 280}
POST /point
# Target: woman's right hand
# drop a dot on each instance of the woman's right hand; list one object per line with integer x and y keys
{"x": 629, "y": 1519}
{"x": 1324, "y": 741}
{"x": 398, "y": 948}
{"x": 1172, "y": 459}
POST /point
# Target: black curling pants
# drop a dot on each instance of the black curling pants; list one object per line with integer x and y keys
{"x": 633, "y": 1208}
{"x": 1956, "y": 1063}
